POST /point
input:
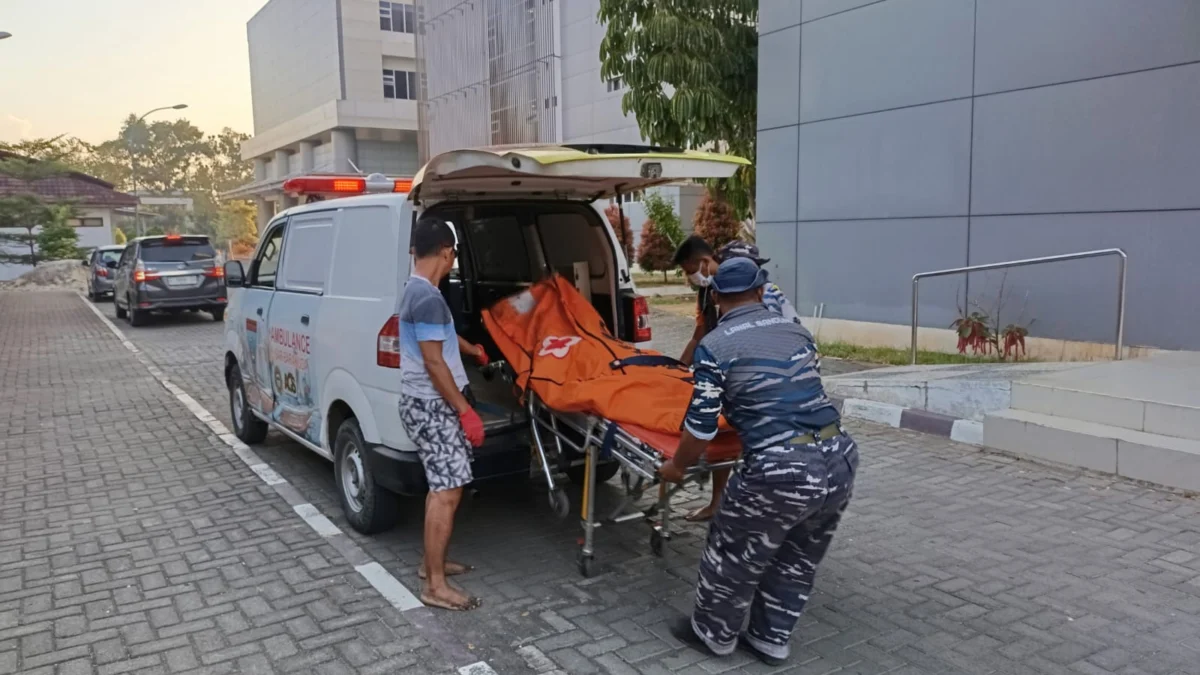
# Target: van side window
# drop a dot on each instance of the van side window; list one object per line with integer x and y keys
{"x": 499, "y": 249}
{"x": 308, "y": 253}
{"x": 266, "y": 265}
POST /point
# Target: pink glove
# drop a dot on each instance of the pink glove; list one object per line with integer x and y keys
{"x": 473, "y": 426}
{"x": 481, "y": 356}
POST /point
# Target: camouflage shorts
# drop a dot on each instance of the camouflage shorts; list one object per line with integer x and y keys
{"x": 441, "y": 442}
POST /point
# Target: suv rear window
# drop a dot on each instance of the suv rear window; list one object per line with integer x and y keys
{"x": 110, "y": 256}
{"x": 187, "y": 249}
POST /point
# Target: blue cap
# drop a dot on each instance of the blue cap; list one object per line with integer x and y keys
{"x": 737, "y": 275}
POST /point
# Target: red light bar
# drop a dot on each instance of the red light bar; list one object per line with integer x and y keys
{"x": 314, "y": 185}
{"x": 174, "y": 237}
{"x": 403, "y": 185}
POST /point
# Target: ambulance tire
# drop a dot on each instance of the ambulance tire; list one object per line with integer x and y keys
{"x": 604, "y": 472}
{"x": 248, "y": 428}
{"x": 368, "y": 507}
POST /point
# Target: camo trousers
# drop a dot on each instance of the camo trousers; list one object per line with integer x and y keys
{"x": 775, "y": 523}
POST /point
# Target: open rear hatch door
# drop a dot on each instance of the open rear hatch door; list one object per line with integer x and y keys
{"x": 576, "y": 172}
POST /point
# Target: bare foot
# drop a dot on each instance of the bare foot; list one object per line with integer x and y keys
{"x": 700, "y": 515}
{"x": 448, "y": 597}
{"x": 453, "y": 569}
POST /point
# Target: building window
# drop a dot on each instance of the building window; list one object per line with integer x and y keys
{"x": 628, "y": 197}
{"x": 397, "y": 17}
{"x": 400, "y": 84}
{"x": 615, "y": 84}
{"x": 86, "y": 222}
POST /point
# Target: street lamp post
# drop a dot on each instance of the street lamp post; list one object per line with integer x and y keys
{"x": 137, "y": 205}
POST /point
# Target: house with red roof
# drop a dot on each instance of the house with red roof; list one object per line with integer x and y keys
{"x": 95, "y": 201}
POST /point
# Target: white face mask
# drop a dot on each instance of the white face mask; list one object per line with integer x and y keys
{"x": 699, "y": 280}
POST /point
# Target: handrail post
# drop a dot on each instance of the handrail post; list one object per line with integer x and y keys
{"x": 1121, "y": 307}
{"x": 916, "y": 278}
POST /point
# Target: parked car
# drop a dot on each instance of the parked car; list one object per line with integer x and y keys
{"x": 171, "y": 273}
{"x": 312, "y": 338}
{"x": 102, "y": 268}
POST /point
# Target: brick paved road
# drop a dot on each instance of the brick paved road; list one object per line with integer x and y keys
{"x": 133, "y": 540}
{"x": 950, "y": 561}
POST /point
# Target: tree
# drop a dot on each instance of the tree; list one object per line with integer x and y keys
{"x": 25, "y": 210}
{"x": 691, "y": 68}
{"x": 715, "y": 221}
{"x": 623, "y": 230}
{"x": 656, "y": 252}
{"x": 57, "y": 239}
{"x": 661, "y": 210}
{"x": 236, "y": 225}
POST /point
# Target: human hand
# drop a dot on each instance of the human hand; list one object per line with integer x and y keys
{"x": 481, "y": 356}
{"x": 671, "y": 472}
{"x": 472, "y": 426}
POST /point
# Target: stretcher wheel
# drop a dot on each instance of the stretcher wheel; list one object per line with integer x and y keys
{"x": 656, "y": 542}
{"x": 586, "y": 564}
{"x": 560, "y": 504}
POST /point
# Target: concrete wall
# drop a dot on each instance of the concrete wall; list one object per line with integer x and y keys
{"x": 294, "y": 65}
{"x": 911, "y": 135}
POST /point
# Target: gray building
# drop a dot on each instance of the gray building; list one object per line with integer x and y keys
{"x": 901, "y": 136}
{"x": 500, "y": 72}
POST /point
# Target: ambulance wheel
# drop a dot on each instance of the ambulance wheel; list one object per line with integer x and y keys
{"x": 656, "y": 543}
{"x": 604, "y": 472}
{"x": 247, "y": 427}
{"x": 368, "y": 507}
{"x": 586, "y": 564}
{"x": 560, "y": 504}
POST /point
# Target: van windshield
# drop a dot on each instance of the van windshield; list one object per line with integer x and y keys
{"x": 184, "y": 250}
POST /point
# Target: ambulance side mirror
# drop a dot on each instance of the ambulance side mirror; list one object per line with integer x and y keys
{"x": 235, "y": 274}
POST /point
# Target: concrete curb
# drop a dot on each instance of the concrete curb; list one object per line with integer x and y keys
{"x": 961, "y": 430}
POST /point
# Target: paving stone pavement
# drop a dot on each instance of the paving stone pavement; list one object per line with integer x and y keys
{"x": 133, "y": 541}
{"x": 950, "y": 560}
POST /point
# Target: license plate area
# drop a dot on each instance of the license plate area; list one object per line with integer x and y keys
{"x": 187, "y": 281}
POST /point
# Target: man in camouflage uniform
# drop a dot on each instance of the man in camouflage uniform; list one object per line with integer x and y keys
{"x": 779, "y": 512}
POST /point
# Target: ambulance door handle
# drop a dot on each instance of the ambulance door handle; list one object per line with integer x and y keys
{"x": 304, "y": 319}
{"x": 260, "y": 311}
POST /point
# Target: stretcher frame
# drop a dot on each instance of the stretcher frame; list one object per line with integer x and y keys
{"x": 639, "y": 473}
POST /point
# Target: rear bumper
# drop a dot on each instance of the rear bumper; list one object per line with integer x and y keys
{"x": 101, "y": 285}
{"x": 161, "y": 302}
{"x": 504, "y": 453}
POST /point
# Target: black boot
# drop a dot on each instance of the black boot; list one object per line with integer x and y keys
{"x": 773, "y": 661}
{"x": 683, "y": 631}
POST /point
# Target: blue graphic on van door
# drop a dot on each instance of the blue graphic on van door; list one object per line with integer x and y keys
{"x": 294, "y": 409}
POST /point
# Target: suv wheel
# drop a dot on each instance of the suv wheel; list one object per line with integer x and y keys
{"x": 368, "y": 507}
{"x": 136, "y": 317}
{"x": 218, "y": 314}
{"x": 247, "y": 427}
{"x": 121, "y": 312}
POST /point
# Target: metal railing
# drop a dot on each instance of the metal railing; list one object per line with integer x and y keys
{"x": 1022, "y": 263}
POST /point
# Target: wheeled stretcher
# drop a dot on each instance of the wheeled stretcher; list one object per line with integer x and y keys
{"x": 638, "y": 450}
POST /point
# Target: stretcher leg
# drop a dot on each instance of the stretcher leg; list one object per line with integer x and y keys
{"x": 660, "y": 533}
{"x": 558, "y": 499}
{"x": 586, "y": 550}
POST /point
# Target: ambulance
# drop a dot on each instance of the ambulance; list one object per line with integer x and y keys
{"x": 312, "y": 337}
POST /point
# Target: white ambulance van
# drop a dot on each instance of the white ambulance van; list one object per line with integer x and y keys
{"x": 311, "y": 332}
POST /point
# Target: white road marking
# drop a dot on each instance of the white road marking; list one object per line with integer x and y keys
{"x": 967, "y": 431}
{"x": 480, "y": 668}
{"x": 396, "y": 593}
{"x": 267, "y": 474}
{"x": 316, "y": 520}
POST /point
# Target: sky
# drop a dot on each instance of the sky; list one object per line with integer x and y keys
{"x": 79, "y": 67}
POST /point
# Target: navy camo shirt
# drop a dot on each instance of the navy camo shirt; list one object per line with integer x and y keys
{"x": 763, "y": 371}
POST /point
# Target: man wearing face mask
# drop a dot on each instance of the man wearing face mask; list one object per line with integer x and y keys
{"x": 697, "y": 259}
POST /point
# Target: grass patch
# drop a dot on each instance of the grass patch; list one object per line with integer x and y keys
{"x": 659, "y": 300}
{"x": 656, "y": 279}
{"x": 897, "y": 357}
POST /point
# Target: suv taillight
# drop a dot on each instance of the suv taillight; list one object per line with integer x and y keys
{"x": 215, "y": 272}
{"x": 140, "y": 274}
{"x": 641, "y": 319}
{"x": 387, "y": 346}
{"x": 101, "y": 272}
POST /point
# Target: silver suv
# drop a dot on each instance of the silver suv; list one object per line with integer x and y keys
{"x": 102, "y": 269}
